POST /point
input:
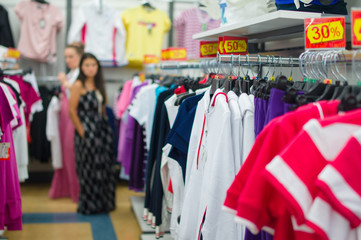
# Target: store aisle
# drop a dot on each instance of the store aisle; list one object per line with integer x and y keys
{"x": 46, "y": 219}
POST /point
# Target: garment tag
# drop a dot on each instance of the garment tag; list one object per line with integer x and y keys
{"x": 4, "y": 151}
{"x": 42, "y": 23}
{"x": 204, "y": 27}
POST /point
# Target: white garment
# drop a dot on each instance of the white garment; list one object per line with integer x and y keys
{"x": 72, "y": 76}
{"x": 194, "y": 174}
{"x": 175, "y": 171}
{"x": 219, "y": 172}
{"x": 52, "y": 132}
{"x": 105, "y": 33}
{"x": 20, "y": 141}
{"x": 30, "y": 78}
{"x": 236, "y": 11}
{"x": 246, "y": 105}
{"x": 14, "y": 123}
{"x": 172, "y": 109}
{"x": 237, "y": 128}
{"x": 143, "y": 107}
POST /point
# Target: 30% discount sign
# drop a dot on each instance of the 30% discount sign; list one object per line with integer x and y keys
{"x": 208, "y": 49}
{"x": 324, "y": 33}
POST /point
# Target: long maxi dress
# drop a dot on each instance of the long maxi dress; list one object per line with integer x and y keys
{"x": 94, "y": 156}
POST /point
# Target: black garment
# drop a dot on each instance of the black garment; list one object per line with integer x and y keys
{"x": 94, "y": 156}
{"x": 6, "y": 36}
{"x": 159, "y": 133}
{"x": 39, "y": 147}
{"x": 337, "y": 8}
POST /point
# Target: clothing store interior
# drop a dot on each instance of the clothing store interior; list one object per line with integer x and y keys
{"x": 180, "y": 119}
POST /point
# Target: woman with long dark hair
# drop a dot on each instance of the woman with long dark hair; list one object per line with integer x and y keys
{"x": 93, "y": 139}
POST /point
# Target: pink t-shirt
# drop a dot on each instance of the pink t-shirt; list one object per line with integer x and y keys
{"x": 124, "y": 99}
{"x": 39, "y": 25}
{"x": 190, "y": 22}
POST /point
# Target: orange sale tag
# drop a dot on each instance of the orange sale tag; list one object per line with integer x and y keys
{"x": 356, "y": 27}
{"x": 165, "y": 54}
{"x": 325, "y": 33}
{"x": 150, "y": 59}
{"x": 208, "y": 49}
{"x": 177, "y": 54}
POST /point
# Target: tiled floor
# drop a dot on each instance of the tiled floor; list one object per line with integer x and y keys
{"x": 47, "y": 219}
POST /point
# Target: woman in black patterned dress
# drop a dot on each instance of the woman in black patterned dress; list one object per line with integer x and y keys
{"x": 93, "y": 139}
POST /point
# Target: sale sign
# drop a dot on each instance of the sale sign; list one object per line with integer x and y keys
{"x": 356, "y": 27}
{"x": 220, "y": 45}
{"x": 235, "y": 45}
{"x": 325, "y": 33}
{"x": 174, "y": 54}
{"x": 208, "y": 49}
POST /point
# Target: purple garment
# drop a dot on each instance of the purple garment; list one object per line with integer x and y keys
{"x": 127, "y": 153}
{"x": 260, "y": 114}
{"x": 275, "y": 105}
{"x": 10, "y": 198}
{"x": 137, "y": 166}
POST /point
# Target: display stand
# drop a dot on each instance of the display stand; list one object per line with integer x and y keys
{"x": 148, "y": 232}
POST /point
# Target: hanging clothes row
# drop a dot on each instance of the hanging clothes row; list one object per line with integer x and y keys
{"x": 14, "y": 148}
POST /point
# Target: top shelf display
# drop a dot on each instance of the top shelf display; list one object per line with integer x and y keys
{"x": 271, "y": 26}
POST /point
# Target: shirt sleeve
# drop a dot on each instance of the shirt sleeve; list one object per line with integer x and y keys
{"x": 59, "y": 20}
{"x": 77, "y": 24}
{"x": 119, "y": 43}
{"x": 20, "y": 10}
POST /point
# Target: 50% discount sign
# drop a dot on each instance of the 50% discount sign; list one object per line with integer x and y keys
{"x": 233, "y": 45}
{"x": 324, "y": 33}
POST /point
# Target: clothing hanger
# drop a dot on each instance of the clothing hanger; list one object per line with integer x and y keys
{"x": 146, "y": 4}
{"x": 236, "y": 89}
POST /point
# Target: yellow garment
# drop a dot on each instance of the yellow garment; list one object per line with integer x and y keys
{"x": 145, "y": 31}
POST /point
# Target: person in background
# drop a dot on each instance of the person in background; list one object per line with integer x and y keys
{"x": 65, "y": 180}
{"x": 94, "y": 151}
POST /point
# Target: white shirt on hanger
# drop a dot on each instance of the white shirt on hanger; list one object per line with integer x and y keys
{"x": 246, "y": 105}
{"x": 102, "y": 31}
{"x": 52, "y": 132}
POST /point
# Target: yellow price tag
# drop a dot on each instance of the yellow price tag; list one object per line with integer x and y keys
{"x": 325, "y": 32}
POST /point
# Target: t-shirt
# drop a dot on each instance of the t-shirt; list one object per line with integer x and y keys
{"x": 190, "y": 22}
{"x": 142, "y": 109}
{"x": 248, "y": 193}
{"x": 145, "y": 32}
{"x": 338, "y": 181}
{"x": 39, "y": 25}
{"x": 97, "y": 28}
{"x": 294, "y": 178}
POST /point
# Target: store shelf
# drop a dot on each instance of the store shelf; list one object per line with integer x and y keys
{"x": 152, "y": 237}
{"x": 138, "y": 207}
{"x": 271, "y": 26}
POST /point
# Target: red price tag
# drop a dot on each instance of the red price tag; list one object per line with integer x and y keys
{"x": 356, "y": 27}
{"x": 208, "y": 49}
{"x": 325, "y": 33}
{"x": 235, "y": 45}
{"x": 220, "y": 45}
